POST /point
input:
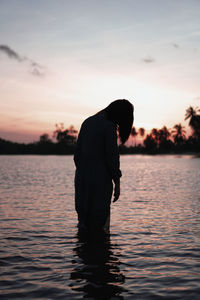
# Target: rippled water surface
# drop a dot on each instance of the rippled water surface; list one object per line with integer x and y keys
{"x": 153, "y": 249}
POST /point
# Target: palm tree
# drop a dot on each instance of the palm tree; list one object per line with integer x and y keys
{"x": 191, "y": 113}
{"x": 141, "y": 131}
{"x": 44, "y": 138}
{"x": 66, "y": 136}
{"x": 134, "y": 133}
{"x": 163, "y": 134}
{"x": 155, "y": 135}
{"x": 179, "y": 133}
{"x": 150, "y": 144}
{"x": 194, "y": 120}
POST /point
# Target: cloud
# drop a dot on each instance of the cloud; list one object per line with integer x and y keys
{"x": 175, "y": 45}
{"x": 36, "y": 72}
{"x": 148, "y": 60}
{"x": 11, "y": 53}
{"x": 36, "y": 68}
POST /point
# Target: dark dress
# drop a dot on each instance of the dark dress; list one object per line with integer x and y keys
{"x": 97, "y": 165}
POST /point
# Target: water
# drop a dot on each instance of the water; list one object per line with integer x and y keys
{"x": 152, "y": 252}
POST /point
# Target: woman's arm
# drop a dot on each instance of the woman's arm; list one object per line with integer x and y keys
{"x": 116, "y": 190}
{"x": 77, "y": 152}
{"x": 112, "y": 158}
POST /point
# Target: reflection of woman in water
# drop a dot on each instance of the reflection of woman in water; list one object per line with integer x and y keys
{"x": 97, "y": 163}
{"x": 96, "y": 270}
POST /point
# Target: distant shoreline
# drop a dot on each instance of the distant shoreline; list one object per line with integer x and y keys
{"x": 121, "y": 154}
{"x": 67, "y": 146}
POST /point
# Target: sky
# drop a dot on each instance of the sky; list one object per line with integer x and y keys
{"x": 62, "y": 61}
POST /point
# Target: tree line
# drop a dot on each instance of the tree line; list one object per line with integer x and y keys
{"x": 166, "y": 140}
{"x": 158, "y": 141}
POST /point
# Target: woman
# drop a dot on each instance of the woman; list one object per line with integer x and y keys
{"x": 97, "y": 163}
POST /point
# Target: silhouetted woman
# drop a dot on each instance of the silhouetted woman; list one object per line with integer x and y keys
{"x": 97, "y": 164}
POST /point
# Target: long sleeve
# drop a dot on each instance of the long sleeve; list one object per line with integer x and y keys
{"x": 112, "y": 152}
{"x": 77, "y": 152}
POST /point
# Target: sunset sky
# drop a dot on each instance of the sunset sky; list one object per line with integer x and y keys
{"x": 61, "y": 61}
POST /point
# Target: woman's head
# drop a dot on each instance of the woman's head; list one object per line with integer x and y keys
{"x": 121, "y": 113}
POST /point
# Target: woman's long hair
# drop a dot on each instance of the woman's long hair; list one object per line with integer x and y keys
{"x": 121, "y": 113}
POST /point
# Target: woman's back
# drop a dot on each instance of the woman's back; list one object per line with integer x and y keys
{"x": 92, "y": 137}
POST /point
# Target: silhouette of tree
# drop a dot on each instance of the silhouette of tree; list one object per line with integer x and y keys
{"x": 164, "y": 134}
{"x": 164, "y": 143}
{"x": 66, "y": 136}
{"x": 72, "y": 131}
{"x": 141, "y": 131}
{"x": 45, "y": 145}
{"x": 134, "y": 133}
{"x": 155, "y": 135}
{"x": 44, "y": 138}
{"x": 194, "y": 120}
{"x": 158, "y": 140}
{"x": 160, "y": 135}
{"x": 178, "y": 134}
{"x": 150, "y": 144}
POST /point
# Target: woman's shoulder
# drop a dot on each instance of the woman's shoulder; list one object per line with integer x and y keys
{"x": 102, "y": 119}
{"x": 98, "y": 120}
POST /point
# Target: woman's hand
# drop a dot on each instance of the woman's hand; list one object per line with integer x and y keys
{"x": 116, "y": 190}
